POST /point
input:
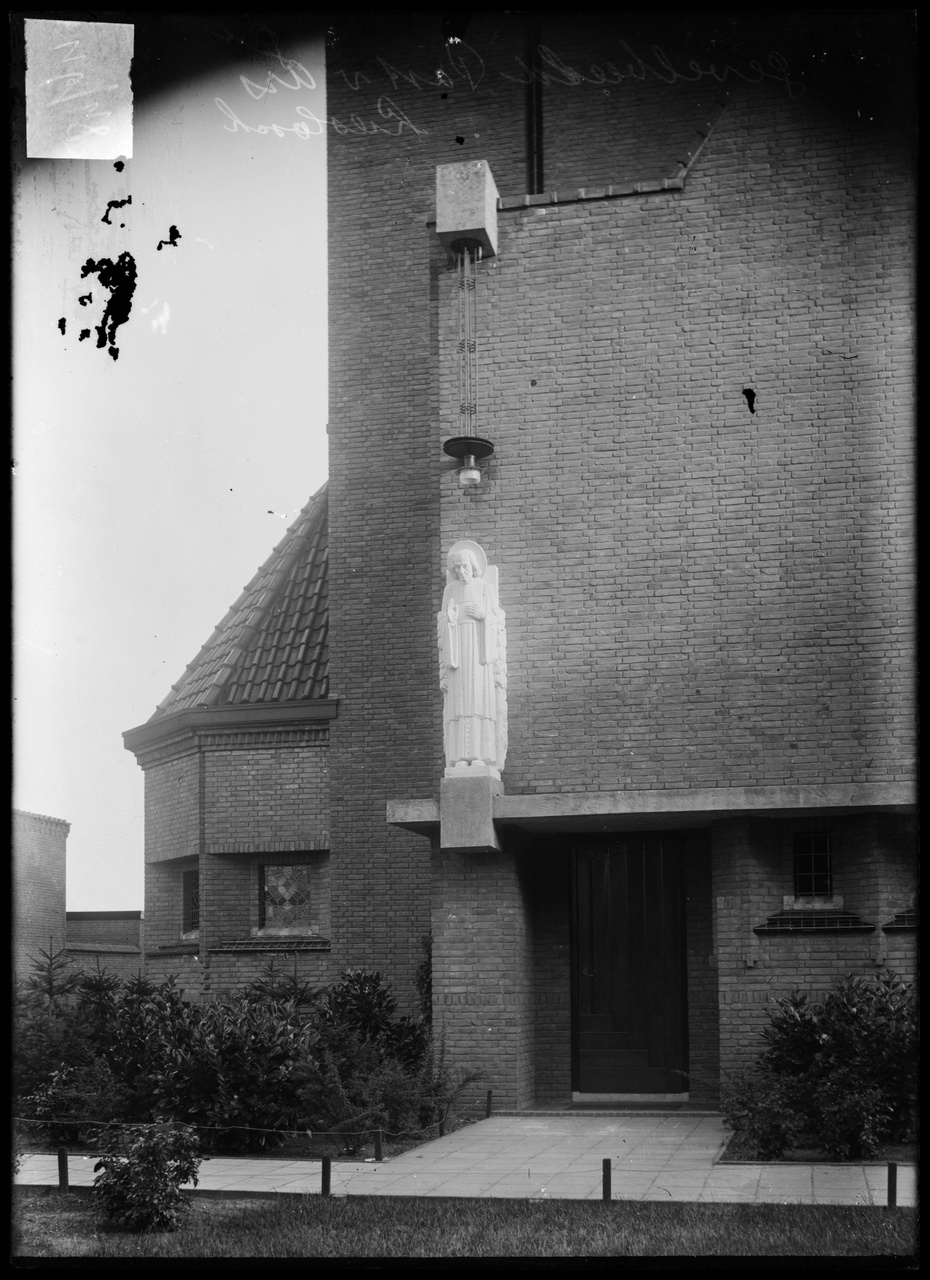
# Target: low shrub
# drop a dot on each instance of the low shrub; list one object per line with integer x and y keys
{"x": 280, "y": 1056}
{"x": 842, "y": 1072}
{"x": 75, "y": 1101}
{"x": 373, "y": 1070}
{"x": 139, "y": 1179}
{"x": 763, "y": 1108}
{"x": 237, "y": 1069}
{"x": 851, "y": 1117}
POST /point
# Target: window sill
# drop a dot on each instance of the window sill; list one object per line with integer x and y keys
{"x": 285, "y": 933}
{"x": 809, "y": 921}
{"x": 903, "y": 922}
{"x": 275, "y": 943}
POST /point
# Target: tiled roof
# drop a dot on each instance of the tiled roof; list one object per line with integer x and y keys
{"x": 272, "y": 645}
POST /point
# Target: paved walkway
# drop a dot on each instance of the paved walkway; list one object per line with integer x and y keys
{"x": 547, "y": 1157}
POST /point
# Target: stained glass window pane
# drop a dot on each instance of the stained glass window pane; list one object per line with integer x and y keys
{"x": 286, "y": 897}
{"x": 191, "y": 894}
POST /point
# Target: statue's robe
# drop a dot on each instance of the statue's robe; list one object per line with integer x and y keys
{"x": 473, "y": 700}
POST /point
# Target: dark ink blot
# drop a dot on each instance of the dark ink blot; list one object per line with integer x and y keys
{"x": 61, "y": 324}
{"x": 750, "y": 398}
{"x": 174, "y": 236}
{"x": 85, "y": 333}
{"x": 120, "y": 278}
{"x": 85, "y": 298}
{"x": 460, "y": 140}
{"x": 118, "y": 166}
{"x": 114, "y": 204}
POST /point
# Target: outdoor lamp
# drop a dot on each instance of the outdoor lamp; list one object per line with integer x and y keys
{"x": 469, "y": 450}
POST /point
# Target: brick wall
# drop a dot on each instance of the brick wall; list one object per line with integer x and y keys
{"x": 268, "y": 791}
{"x": 635, "y": 128}
{"x": 38, "y": 886}
{"x": 234, "y": 802}
{"x": 482, "y": 972}
{"x": 122, "y": 928}
{"x": 753, "y": 872}
{"x": 696, "y": 595}
{"x": 385, "y": 585}
{"x": 172, "y": 808}
{"x": 110, "y": 940}
{"x": 164, "y": 902}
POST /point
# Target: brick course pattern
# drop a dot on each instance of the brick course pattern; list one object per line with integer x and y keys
{"x": 38, "y": 887}
{"x": 699, "y": 591}
{"x": 234, "y": 801}
{"x": 875, "y": 872}
{"x": 482, "y": 972}
{"x": 172, "y": 808}
{"x": 109, "y": 940}
{"x": 698, "y": 595}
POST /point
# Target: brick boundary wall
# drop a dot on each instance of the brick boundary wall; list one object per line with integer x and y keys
{"x": 39, "y": 882}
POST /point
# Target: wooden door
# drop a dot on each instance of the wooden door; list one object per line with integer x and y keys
{"x": 630, "y": 1033}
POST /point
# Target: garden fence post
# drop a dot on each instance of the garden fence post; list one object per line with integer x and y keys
{"x": 326, "y": 1171}
{"x": 605, "y": 1179}
{"x": 379, "y": 1150}
{"x": 892, "y": 1186}
{"x": 62, "y": 1168}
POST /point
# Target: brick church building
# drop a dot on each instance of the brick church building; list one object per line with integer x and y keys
{"x": 650, "y": 283}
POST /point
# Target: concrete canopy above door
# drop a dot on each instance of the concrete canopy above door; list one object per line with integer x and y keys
{"x": 669, "y": 808}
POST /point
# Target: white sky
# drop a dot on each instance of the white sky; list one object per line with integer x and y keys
{"x": 142, "y": 487}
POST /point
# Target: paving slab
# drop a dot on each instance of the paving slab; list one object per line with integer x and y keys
{"x": 560, "y": 1156}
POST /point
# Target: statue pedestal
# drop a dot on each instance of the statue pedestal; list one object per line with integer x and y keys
{"x": 475, "y": 769}
{"x": 466, "y": 804}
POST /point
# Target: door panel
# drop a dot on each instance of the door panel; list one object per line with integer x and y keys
{"x": 629, "y": 988}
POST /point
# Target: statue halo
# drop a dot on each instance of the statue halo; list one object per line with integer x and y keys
{"x": 467, "y": 545}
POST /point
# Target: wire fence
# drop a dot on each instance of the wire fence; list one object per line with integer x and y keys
{"x": 345, "y": 1136}
{"x": 349, "y": 1180}
{"x": 342, "y": 1134}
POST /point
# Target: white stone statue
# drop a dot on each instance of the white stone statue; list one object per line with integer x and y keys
{"x": 472, "y": 664}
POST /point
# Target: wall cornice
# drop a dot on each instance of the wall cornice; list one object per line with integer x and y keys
{"x": 184, "y": 730}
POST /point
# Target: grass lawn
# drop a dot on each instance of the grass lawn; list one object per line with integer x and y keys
{"x": 51, "y": 1224}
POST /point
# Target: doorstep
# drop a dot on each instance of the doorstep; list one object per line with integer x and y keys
{"x": 650, "y": 1109}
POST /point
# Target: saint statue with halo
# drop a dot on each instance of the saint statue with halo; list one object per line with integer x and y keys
{"x": 472, "y": 662}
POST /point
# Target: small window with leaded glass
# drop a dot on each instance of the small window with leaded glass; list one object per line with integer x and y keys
{"x": 286, "y": 902}
{"x": 190, "y": 900}
{"x": 813, "y": 866}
